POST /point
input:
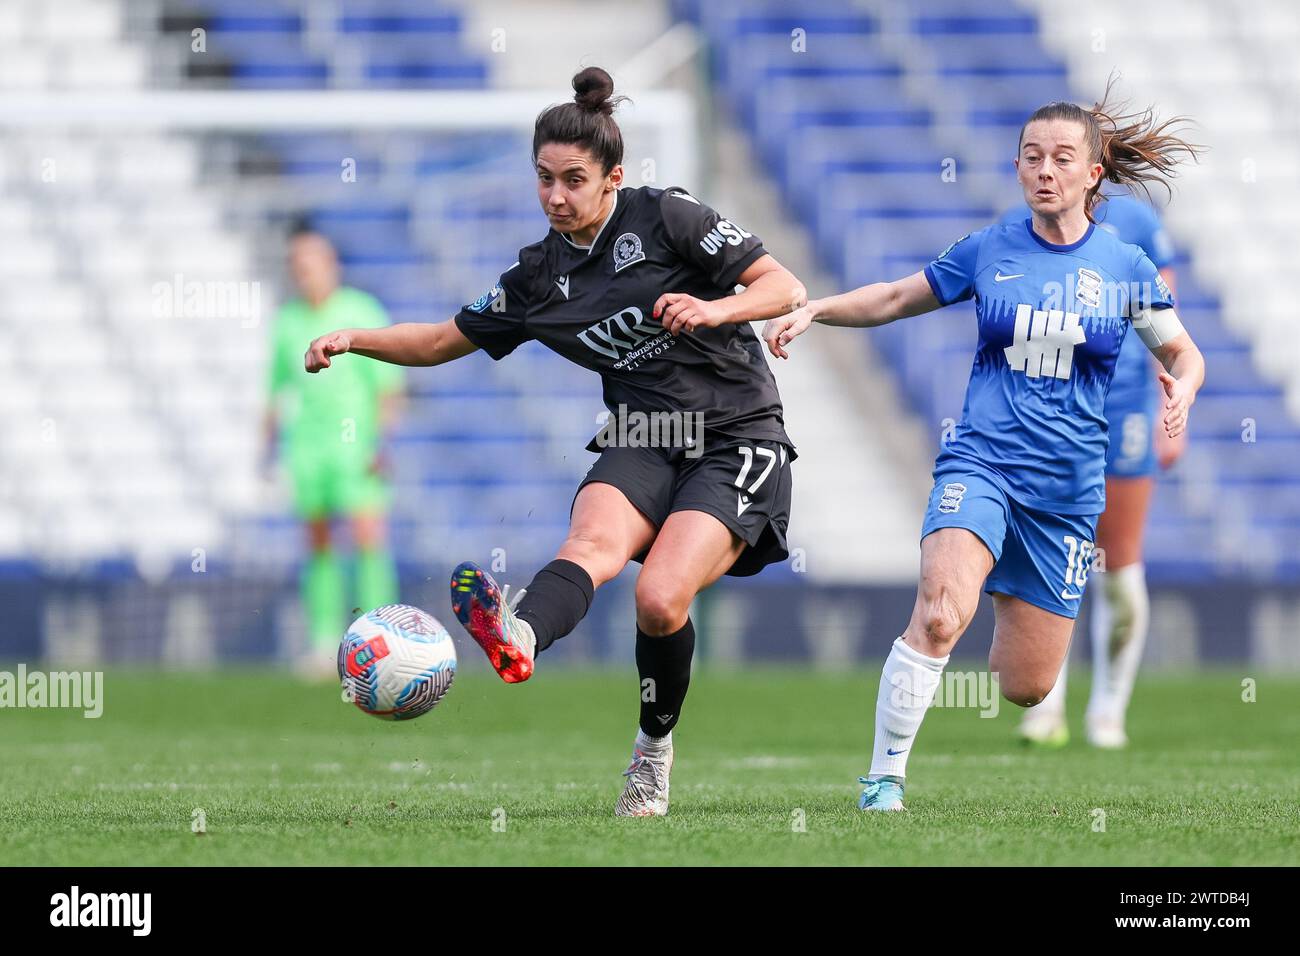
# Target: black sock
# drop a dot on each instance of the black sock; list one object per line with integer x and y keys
{"x": 664, "y": 664}
{"x": 556, "y": 601}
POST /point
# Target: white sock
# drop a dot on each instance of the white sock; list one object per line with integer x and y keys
{"x": 653, "y": 745}
{"x": 907, "y": 685}
{"x": 1051, "y": 707}
{"x": 1121, "y": 613}
{"x": 529, "y": 637}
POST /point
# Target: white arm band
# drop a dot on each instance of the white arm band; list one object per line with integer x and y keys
{"x": 1157, "y": 326}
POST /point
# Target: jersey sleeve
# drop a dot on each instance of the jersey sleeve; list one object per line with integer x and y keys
{"x": 495, "y": 320}
{"x": 721, "y": 249}
{"x": 1149, "y": 289}
{"x": 952, "y": 274}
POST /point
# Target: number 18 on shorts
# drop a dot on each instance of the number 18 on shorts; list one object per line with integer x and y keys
{"x": 1039, "y": 557}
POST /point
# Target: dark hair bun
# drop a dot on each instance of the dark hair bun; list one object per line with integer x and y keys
{"x": 588, "y": 121}
{"x": 593, "y": 90}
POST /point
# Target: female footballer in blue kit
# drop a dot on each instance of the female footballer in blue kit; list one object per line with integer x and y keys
{"x": 1018, "y": 490}
{"x": 1120, "y": 605}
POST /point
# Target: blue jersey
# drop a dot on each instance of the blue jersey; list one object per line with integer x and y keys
{"x": 1052, "y": 320}
{"x": 1133, "y": 221}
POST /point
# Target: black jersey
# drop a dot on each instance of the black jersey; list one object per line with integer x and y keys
{"x": 595, "y": 307}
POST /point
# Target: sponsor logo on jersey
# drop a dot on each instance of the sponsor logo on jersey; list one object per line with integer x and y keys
{"x": 678, "y": 194}
{"x": 493, "y": 297}
{"x": 627, "y": 251}
{"x": 999, "y": 277}
{"x": 1087, "y": 288}
{"x": 627, "y": 337}
{"x": 486, "y": 299}
{"x": 1044, "y": 342}
{"x": 950, "y": 500}
{"x": 725, "y": 233}
{"x": 563, "y": 283}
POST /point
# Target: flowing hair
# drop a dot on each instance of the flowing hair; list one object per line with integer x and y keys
{"x": 1135, "y": 149}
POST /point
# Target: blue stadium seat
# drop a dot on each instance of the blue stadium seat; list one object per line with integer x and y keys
{"x": 420, "y": 72}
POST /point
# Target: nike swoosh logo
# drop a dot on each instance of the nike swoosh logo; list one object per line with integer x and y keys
{"x": 999, "y": 277}
{"x": 895, "y": 753}
{"x": 1070, "y": 597}
{"x": 742, "y": 504}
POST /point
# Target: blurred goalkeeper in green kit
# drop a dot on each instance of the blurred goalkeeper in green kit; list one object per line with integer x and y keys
{"x": 331, "y": 432}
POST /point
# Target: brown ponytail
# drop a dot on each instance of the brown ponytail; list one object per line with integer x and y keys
{"x": 1134, "y": 149}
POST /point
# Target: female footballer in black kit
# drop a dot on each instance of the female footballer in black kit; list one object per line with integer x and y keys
{"x": 635, "y": 284}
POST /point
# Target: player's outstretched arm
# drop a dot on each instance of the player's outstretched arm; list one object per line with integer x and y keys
{"x": 407, "y": 343}
{"x": 1168, "y": 450}
{"x": 1162, "y": 332}
{"x": 770, "y": 289}
{"x": 870, "y": 305}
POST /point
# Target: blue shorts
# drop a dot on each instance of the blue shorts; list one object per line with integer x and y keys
{"x": 1131, "y": 419}
{"x": 1039, "y": 557}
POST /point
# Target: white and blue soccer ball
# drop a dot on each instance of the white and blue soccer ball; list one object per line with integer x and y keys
{"x": 396, "y": 662}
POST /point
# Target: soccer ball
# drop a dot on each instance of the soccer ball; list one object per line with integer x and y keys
{"x": 396, "y": 662}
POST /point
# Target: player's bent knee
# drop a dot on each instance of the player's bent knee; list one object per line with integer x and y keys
{"x": 1024, "y": 693}
{"x": 594, "y": 548}
{"x": 941, "y": 621}
{"x": 589, "y": 539}
{"x": 661, "y": 606}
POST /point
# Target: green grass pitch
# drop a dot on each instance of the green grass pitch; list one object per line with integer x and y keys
{"x": 287, "y": 773}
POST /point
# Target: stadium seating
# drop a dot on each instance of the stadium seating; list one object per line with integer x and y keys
{"x": 140, "y": 442}
{"x": 136, "y": 416}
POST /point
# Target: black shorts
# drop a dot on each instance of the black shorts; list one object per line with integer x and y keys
{"x": 744, "y": 483}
